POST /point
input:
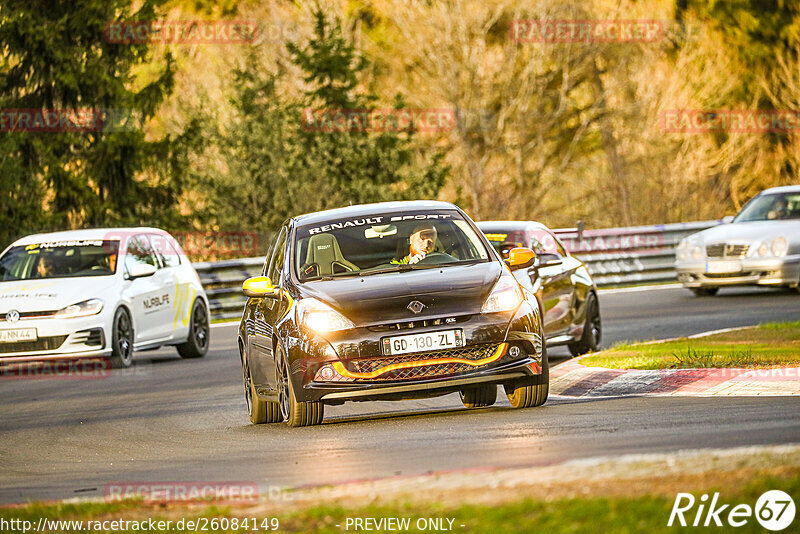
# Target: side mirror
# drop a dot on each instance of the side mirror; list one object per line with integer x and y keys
{"x": 727, "y": 219}
{"x": 259, "y": 287}
{"x": 141, "y": 270}
{"x": 549, "y": 260}
{"x": 520, "y": 257}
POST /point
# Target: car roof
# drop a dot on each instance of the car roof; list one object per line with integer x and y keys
{"x": 92, "y": 233}
{"x": 509, "y": 226}
{"x": 365, "y": 210}
{"x": 781, "y": 189}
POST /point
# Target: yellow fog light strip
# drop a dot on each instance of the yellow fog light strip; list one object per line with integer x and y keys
{"x": 342, "y": 370}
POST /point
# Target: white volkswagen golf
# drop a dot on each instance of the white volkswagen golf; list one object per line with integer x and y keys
{"x": 99, "y": 293}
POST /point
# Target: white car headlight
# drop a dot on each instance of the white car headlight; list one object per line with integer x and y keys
{"x": 506, "y": 296}
{"x": 780, "y": 246}
{"x": 697, "y": 253}
{"x": 320, "y": 317}
{"x": 763, "y": 249}
{"x": 682, "y": 252}
{"x": 81, "y": 309}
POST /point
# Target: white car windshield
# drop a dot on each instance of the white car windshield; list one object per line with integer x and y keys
{"x": 385, "y": 242}
{"x": 772, "y": 207}
{"x": 59, "y": 259}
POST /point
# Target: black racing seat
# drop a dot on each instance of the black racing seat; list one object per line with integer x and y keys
{"x": 326, "y": 257}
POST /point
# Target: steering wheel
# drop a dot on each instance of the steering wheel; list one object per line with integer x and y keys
{"x": 437, "y": 257}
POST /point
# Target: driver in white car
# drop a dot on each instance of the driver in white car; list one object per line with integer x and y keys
{"x": 421, "y": 243}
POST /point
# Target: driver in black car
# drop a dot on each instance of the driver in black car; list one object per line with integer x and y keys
{"x": 421, "y": 243}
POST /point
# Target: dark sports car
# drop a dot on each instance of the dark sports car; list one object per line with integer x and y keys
{"x": 387, "y": 301}
{"x": 562, "y": 283}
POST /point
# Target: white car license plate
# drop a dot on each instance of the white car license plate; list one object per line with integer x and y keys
{"x": 444, "y": 339}
{"x": 723, "y": 267}
{"x": 20, "y": 334}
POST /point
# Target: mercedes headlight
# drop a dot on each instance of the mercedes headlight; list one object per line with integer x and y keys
{"x": 779, "y": 246}
{"x": 81, "y": 309}
{"x": 319, "y": 317}
{"x": 763, "y": 249}
{"x": 697, "y": 253}
{"x": 506, "y": 296}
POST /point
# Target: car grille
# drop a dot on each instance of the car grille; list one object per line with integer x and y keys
{"x": 726, "y": 250}
{"x": 408, "y": 325}
{"x": 29, "y": 315}
{"x": 43, "y": 343}
{"x": 433, "y": 370}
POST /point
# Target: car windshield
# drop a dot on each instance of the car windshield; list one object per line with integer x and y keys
{"x": 385, "y": 243}
{"x": 541, "y": 241}
{"x": 59, "y": 259}
{"x": 772, "y": 207}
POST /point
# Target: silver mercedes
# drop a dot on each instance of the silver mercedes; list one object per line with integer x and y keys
{"x": 760, "y": 246}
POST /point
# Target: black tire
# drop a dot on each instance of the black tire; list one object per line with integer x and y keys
{"x": 259, "y": 411}
{"x": 532, "y": 390}
{"x": 293, "y": 412}
{"x": 479, "y": 396}
{"x": 196, "y": 346}
{"x": 704, "y": 291}
{"x": 121, "y": 340}
{"x": 592, "y": 329}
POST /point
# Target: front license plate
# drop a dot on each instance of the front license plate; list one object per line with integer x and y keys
{"x": 15, "y": 336}
{"x": 723, "y": 267}
{"x": 444, "y": 339}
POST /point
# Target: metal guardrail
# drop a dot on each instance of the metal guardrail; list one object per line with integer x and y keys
{"x": 614, "y": 256}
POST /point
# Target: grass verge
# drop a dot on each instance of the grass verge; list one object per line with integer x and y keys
{"x": 767, "y": 345}
{"x": 648, "y": 512}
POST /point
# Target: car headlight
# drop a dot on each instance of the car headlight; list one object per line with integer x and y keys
{"x": 506, "y": 296}
{"x": 779, "y": 246}
{"x": 697, "y": 253}
{"x": 319, "y": 317}
{"x": 682, "y": 252}
{"x": 763, "y": 249}
{"x": 81, "y": 309}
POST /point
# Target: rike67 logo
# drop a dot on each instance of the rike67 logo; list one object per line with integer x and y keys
{"x": 774, "y": 510}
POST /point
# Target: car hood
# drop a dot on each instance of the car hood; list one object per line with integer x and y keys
{"x": 749, "y": 232}
{"x": 50, "y": 295}
{"x": 384, "y": 298}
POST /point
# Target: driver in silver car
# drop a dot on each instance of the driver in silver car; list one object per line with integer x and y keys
{"x": 421, "y": 243}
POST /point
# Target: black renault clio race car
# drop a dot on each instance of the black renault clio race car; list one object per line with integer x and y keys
{"x": 387, "y": 301}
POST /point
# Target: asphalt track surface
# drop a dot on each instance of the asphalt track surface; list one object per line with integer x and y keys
{"x": 167, "y": 419}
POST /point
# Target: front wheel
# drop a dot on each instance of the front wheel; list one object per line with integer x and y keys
{"x": 479, "y": 396}
{"x": 196, "y": 346}
{"x": 531, "y": 390}
{"x": 121, "y": 340}
{"x": 293, "y": 412}
{"x": 592, "y": 329}
{"x": 704, "y": 291}
{"x": 260, "y": 411}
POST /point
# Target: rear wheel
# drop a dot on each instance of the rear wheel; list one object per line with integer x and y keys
{"x": 121, "y": 340}
{"x": 479, "y": 396}
{"x": 196, "y": 346}
{"x": 293, "y": 412}
{"x": 704, "y": 291}
{"x": 592, "y": 329}
{"x": 531, "y": 390}
{"x": 260, "y": 411}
